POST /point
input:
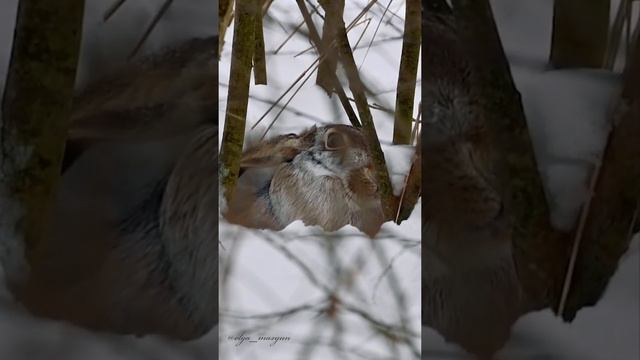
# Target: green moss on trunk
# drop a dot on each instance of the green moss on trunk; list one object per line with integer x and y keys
{"x": 37, "y": 106}
{"x": 238, "y": 95}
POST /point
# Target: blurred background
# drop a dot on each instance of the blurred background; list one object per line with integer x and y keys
{"x": 568, "y": 113}
{"x": 106, "y": 45}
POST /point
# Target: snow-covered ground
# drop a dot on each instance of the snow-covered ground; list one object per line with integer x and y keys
{"x": 380, "y": 277}
{"x": 567, "y": 112}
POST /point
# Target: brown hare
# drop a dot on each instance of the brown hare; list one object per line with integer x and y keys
{"x": 322, "y": 176}
{"x": 471, "y": 293}
{"x": 154, "y": 268}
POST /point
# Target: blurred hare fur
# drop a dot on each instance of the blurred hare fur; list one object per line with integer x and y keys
{"x": 322, "y": 176}
{"x": 143, "y": 262}
{"x": 471, "y": 292}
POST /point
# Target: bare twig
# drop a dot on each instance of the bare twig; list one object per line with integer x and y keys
{"x": 154, "y": 22}
{"x": 327, "y": 68}
{"x": 315, "y": 38}
{"x": 225, "y": 16}
{"x": 286, "y": 104}
{"x": 606, "y": 233}
{"x": 374, "y": 34}
{"x": 311, "y": 68}
{"x": 412, "y": 186}
{"x": 578, "y": 238}
{"x": 357, "y": 89}
{"x": 112, "y": 9}
{"x": 259, "y": 58}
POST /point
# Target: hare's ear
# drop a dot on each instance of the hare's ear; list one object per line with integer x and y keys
{"x": 146, "y": 123}
{"x": 257, "y": 161}
{"x": 163, "y": 95}
{"x": 267, "y": 160}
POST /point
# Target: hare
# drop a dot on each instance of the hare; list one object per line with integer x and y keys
{"x": 324, "y": 179}
{"x": 249, "y": 205}
{"x": 157, "y": 97}
{"x": 471, "y": 291}
{"x": 153, "y": 268}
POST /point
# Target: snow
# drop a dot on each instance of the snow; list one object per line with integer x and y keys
{"x": 263, "y": 277}
{"x": 27, "y": 337}
{"x": 568, "y": 114}
{"x": 104, "y": 46}
{"x": 608, "y": 331}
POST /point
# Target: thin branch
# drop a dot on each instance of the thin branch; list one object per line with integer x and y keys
{"x": 154, "y": 22}
{"x": 358, "y": 91}
{"x": 278, "y": 315}
{"x": 225, "y": 16}
{"x": 374, "y": 34}
{"x": 605, "y": 236}
{"x": 286, "y": 104}
{"x": 412, "y": 186}
{"x": 408, "y": 73}
{"x": 112, "y": 9}
{"x": 259, "y": 58}
{"x": 578, "y": 238}
{"x": 326, "y": 78}
{"x": 311, "y": 68}
{"x": 315, "y": 39}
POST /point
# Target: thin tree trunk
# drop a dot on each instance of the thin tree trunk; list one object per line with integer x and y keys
{"x": 408, "y": 72}
{"x": 225, "y": 15}
{"x": 412, "y": 187}
{"x": 238, "y": 95}
{"x": 580, "y": 31}
{"x": 36, "y": 114}
{"x": 610, "y": 222}
{"x": 345, "y": 54}
{"x": 317, "y": 42}
{"x": 328, "y": 65}
{"x": 259, "y": 57}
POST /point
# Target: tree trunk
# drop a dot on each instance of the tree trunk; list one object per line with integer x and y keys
{"x": 333, "y": 82}
{"x": 225, "y": 12}
{"x": 238, "y": 95}
{"x": 580, "y": 32}
{"x": 36, "y": 108}
{"x": 368, "y": 127}
{"x": 406, "y": 88}
{"x": 610, "y": 222}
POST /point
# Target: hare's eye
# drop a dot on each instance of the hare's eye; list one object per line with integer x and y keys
{"x": 291, "y": 136}
{"x": 334, "y": 141}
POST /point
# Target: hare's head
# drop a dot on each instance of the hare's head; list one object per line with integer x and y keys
{"x": 339, "y": 150}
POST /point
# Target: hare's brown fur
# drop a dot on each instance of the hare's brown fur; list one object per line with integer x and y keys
{"x": 471, "y": 293}
{"x": 155, "y": 269}
{"x": 330, "y": 188}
